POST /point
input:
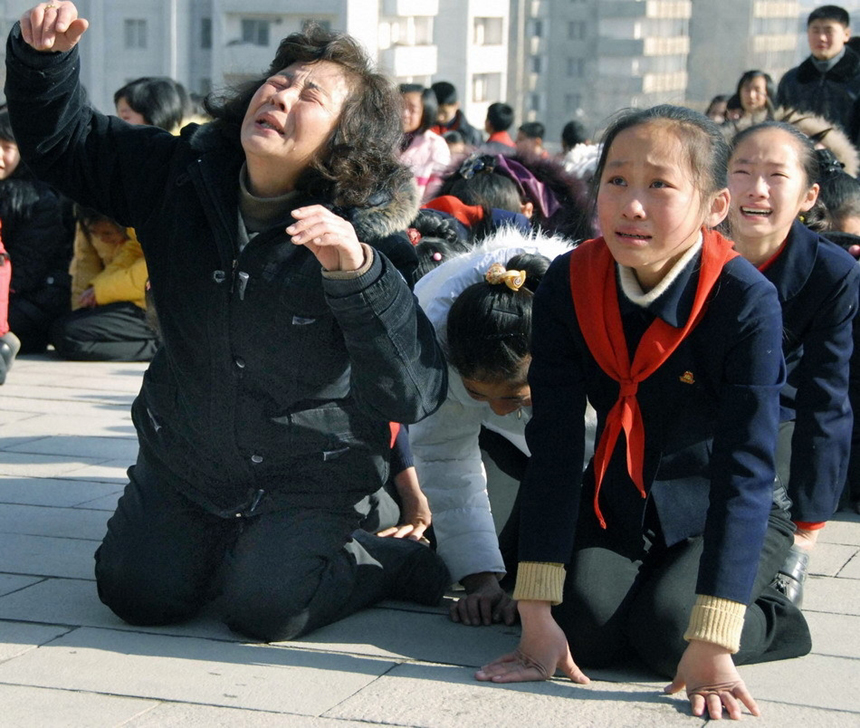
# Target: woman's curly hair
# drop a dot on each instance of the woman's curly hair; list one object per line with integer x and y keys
{"x": 359, "y": 161}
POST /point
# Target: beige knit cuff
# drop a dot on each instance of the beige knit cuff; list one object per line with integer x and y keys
{"x": 715, "y": 620}
{"x": 343, "y": 275}
{"x": 540, "y": 581}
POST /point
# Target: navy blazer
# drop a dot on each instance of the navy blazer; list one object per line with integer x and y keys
{"x": 818, "y": 285}
{"x": 710, "y": 414}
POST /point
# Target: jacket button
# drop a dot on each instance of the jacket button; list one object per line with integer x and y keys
{"x": 256, "y": 459}
{"x": 240, "y": 362}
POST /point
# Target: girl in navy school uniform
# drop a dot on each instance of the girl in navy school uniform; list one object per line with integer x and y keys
{"x": 672, "y": 536}
{"x": 773, "y": 170}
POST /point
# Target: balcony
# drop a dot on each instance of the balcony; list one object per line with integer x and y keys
{"x": 403, "y": 60}
{"x": 407, "y": 8}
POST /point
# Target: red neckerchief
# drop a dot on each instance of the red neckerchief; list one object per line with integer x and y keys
{"x": 595, "y": 297}
{"x": 469, "y": 215}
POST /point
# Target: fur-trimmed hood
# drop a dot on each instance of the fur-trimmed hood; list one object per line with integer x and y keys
{"x": 834, "y": 139}
{"x": 438, "y": 290}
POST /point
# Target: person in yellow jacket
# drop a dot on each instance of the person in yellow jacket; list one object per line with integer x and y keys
{"x": 108, "y": 319}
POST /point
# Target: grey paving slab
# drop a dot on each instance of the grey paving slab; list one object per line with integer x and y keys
{"x": 429, "y": 637}
{"x": 63, "y": 393}
{"x": 817, "y": 681}
{"x": 828, "y": 559}
{"x": 11, "y": 417}
{"x": 448, "y": 697}
{"x": 117, "y": 425}
{"x": 44, "y": 466}
{"x": 835, "y": 634}
{"x": 108, "y": 471}
{"x": 258, "y": 677}
{"x": 11, "y": 583}
{"x": 76, "y": 602}
{"x": 24, "y": 707}
{"x": 85, "y": 409}
{"x": 47, "y": 556}
{"x": 182, "y": 715}
{"x": 114, "y": 448}
{"x": 16, "y": 638}
{"x": 836, "y": 596}
{"x": 59, "y": 522}
{"x": 843, "y": 528}
{"x": 851, "y": 570}
{"x": 105, "y": 503}
{"x": 779, "y": 715}
{"x": 57, "y": 491}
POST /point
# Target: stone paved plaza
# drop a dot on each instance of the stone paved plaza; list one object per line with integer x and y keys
{"x": 65, "y": 660}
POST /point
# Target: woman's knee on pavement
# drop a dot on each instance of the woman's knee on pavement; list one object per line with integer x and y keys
{"x": 140, "y": 594}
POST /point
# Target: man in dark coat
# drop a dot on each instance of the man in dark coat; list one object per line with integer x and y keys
{"x": 827, "y": 83}
{"x": 451, "y": 116}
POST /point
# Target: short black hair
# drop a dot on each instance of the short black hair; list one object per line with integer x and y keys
{"x": 533, "y": 129}
{"x": 445, "y": 92}
{"x": 500, "y": 116}
{"x": 830, "y": 12}
{"x": 573, "y": 133}
{"x": 160, "y": 100}
{"x": 488, "y": 330}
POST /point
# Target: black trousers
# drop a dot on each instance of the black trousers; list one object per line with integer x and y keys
{"x": 113, "y": 332}
{"x": 278, "y": 574}
{"x": 619, "y": 603}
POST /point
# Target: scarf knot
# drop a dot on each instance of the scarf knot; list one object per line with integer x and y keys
{"x": 595, "y": 299}
{"x": 629, "y": 387}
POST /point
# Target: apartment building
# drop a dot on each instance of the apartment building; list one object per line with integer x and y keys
{"x": 585, "y": 59}
{"x": 472, "y": 37}
{"x": 206, "y": 44}
{"x": 729, "y": 38}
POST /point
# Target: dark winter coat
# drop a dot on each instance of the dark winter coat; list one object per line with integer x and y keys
{"x": 710, "y": 414}
{"x": 831, "y": 94}
{"x": 38, "y": 235}
{"x": 817, "y": 284}
{"x": 275, "y": 384}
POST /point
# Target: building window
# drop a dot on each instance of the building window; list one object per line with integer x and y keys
{"x": 534, "y": 102}
{"x": 576, "y": 30}
{"x": 576, "y": 67}
{"x": 572, "y": 102}
{"x": 206, "y": 33}
{"x": 537, "y": 28}
{"x": 488, "y": 31}
{"x": 537, "y": 64}
{"x": 255, "y": 31}
{"x": 135, "y": 33}
{"x": 486, "y": 87}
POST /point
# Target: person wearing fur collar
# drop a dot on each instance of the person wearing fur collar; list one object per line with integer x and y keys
{"x": 291, "y": 337}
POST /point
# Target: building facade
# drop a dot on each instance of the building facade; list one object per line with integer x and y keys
{"x": 740, "y": 36}
{"x": 585, "y": 59}
{"x": 206, "y": 44}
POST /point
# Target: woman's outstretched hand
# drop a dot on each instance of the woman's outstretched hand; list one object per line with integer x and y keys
{"x": 329, "y": 237}
{"x": 543, "y": 649}
{"x": 53, "y": 26}
{"x": 712, "y": 682}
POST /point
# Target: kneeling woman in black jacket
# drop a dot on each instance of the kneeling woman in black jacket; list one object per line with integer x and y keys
{"x": 290, "y": 336}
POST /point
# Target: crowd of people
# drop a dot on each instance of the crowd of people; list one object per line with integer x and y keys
{"x": 352, "y": 300}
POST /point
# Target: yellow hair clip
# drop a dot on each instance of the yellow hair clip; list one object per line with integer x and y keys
{"x": 513, "y": 279}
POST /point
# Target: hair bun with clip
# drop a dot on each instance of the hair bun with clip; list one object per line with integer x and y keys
{"x": 513, "y": 279}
